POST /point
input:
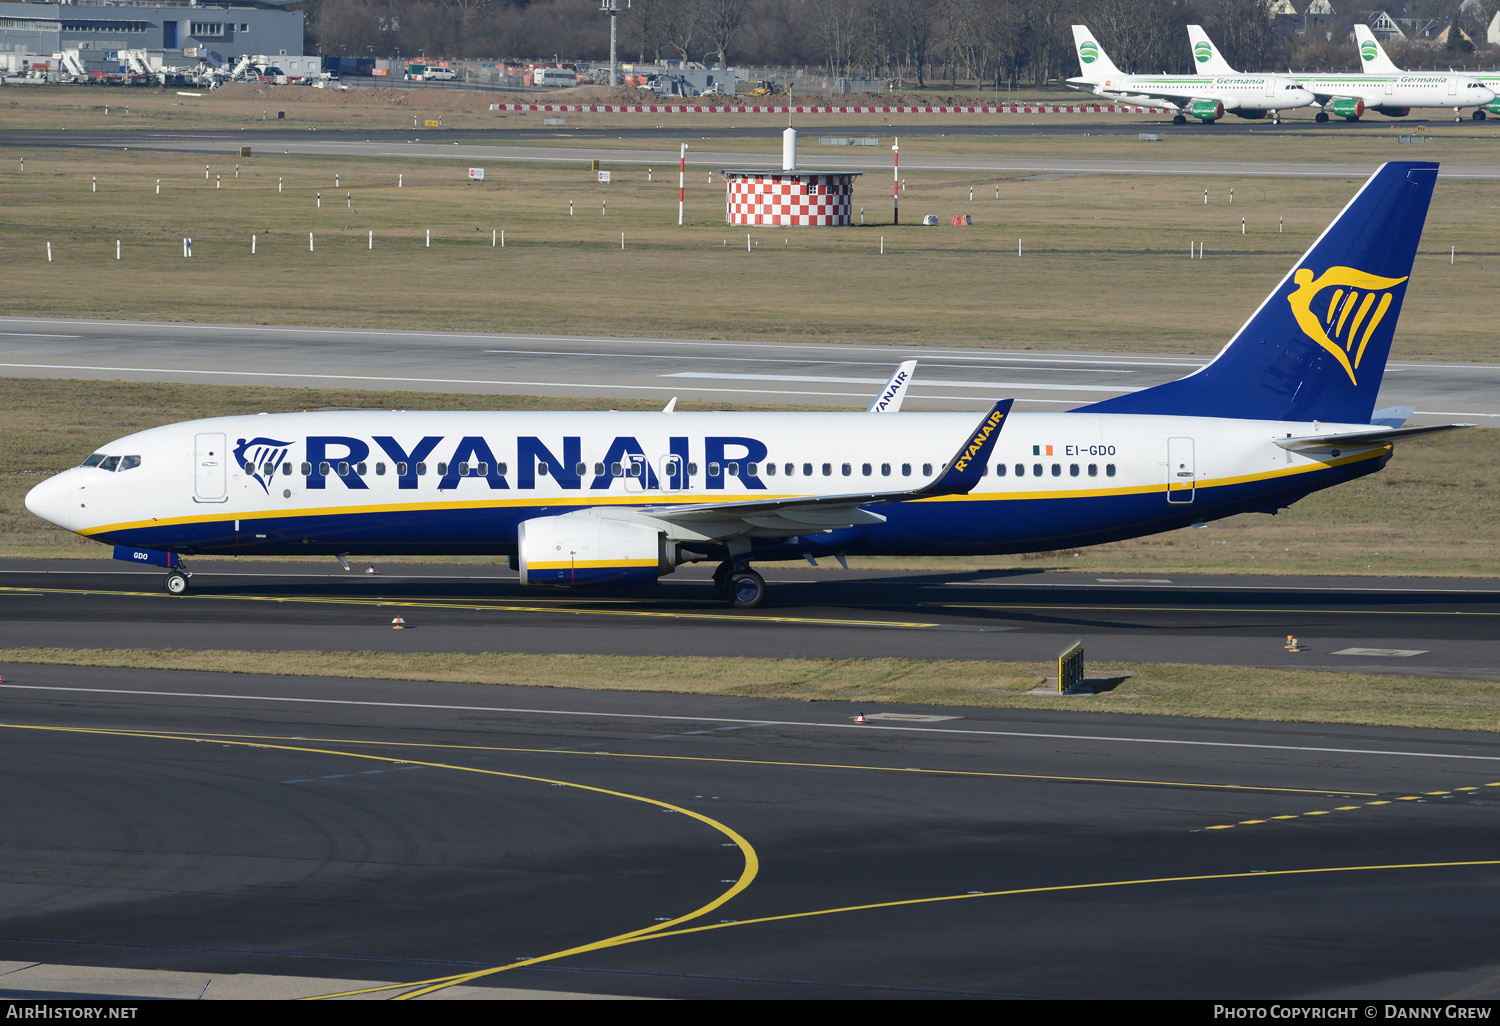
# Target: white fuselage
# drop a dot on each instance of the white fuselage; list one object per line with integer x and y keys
{"x": 379, "y": 482}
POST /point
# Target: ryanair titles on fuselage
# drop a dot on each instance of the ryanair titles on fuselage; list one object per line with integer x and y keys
{"x": 564, "y": 464}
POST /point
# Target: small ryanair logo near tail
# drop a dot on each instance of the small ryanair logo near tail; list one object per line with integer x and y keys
{"x": 262, "y": 456}
{"x": 1368, "y": 49}
{"x": 1340, "y": 310}
{"x": 976, "y": 444}
{"x": 1204, "y": 51}
{"x": 1088, "y": 51}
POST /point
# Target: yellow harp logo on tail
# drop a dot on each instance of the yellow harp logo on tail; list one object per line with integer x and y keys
{"x": 1340, "y": 310}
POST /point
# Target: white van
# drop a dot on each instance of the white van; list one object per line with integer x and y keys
{"x": 439, "y": 75}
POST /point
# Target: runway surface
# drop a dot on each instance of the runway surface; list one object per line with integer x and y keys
{"x": 337, "y": 835}
{"x": 1432, "y": 627}
{"x": 664, "y": 150}
{"x": 719, "y": 371}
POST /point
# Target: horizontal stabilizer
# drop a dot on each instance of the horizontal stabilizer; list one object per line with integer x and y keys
{"x": 1361, "y": 439}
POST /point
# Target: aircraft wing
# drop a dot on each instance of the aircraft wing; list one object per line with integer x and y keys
{"x": 800, "y": 513}
{"x": 1361, "y": 439}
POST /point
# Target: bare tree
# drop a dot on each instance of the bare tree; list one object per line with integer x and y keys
{"x": 721, "y": 22}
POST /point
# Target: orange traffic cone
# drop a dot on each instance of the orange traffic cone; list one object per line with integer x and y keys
{"x": 859, "y": 717}
{"x": 369, "y": 569}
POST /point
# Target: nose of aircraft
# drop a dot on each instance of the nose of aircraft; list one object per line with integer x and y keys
{"x": 49, "y": 500}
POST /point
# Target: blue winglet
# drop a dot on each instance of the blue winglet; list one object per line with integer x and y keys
{"x": 1316, "y": 348}
{"x": 967, "y": 465}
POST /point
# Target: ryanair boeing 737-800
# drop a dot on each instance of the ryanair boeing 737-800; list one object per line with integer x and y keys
{"x": 619, "y": 499}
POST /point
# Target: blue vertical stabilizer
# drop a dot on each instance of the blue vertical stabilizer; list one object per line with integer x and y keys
{"x": 1316, "y": 348}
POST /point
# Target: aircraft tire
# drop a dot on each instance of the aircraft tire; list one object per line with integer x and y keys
{"x": 176, "y": 583}
{"x": 1179, "y": 120}
{"x": 1479, "y": 115}
{"x": 1321, "y": 117}
{"x": 747, "y": 589}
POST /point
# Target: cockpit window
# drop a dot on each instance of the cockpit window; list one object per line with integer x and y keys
{"x": 129, "y": 463}
{"x": 94, "y": 460}
{"x": 111, "y": 463}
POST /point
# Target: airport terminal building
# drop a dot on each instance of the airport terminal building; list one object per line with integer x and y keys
{"x": 230, "y": 29}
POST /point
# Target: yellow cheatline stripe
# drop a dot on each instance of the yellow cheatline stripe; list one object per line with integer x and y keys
{"x": 494, "y": 606}
{"x": 775, "y": 763}
{"x": 589, "y": 564}
{"x": 250, "y": 517}
{"x": 747, "y": 874}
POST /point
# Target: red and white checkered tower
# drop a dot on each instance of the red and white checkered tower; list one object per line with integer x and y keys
{"x": 788, "y": 197}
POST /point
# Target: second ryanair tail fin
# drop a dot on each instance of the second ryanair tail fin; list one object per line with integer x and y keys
{"x": 1316, "y": 348}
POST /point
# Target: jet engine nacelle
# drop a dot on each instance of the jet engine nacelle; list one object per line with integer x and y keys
{"x": 1206, "y": 110}
{"x": 1493, "y": 107}
{"x": 585, "y": 550}
{"x": 1348, "y": 108}
{"x": 1250, "y": 113}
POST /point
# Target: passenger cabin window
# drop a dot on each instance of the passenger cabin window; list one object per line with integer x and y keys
{"x": 847, "y": 470}
{"x": 927, "y": 470}
{"x": 1057, "y": 470}
{"x": 380, "y": 470}
{"x": 1093, "y": 470}
{"x": 360, "y": 468}
{"x": 323, "y": 469}
{"x": 421, "y": 470}
{"x": 1020, "y": 470}
{"x": 581, "y": 469}
{"x": 791, "y": 470}
{"x": 734, "y": 469}
{"x": 443, "y": 469}
{"x": 1109, "y": 470}
{"x": 1036, "y": 470}
{"x": 885, "y": 470}
{"x": 906, "y": 470}
{"x": 401, "y": 470}
{"x": 1072, "y": 470}
{"x": 828, "y": 470}
{"x": 770, "y": 469}
{"x": 713, "y": 470}
{"x": 999, "y": 469}
{"x": 807, "y": 470}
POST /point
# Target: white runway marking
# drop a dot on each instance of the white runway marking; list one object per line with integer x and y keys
{"x": 1004, "y": 386}
{"x": 1034, "y": 735}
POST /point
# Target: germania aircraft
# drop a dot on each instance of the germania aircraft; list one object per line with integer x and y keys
{"x": 1373, "y": 59}
{"x": 597, "y": 499}
{"x": 1206, "y": 98}
{"x": 1349, "y": 96}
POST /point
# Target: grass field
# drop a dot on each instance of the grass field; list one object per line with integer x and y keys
{"x": 1104, "y": 262}
{"x": 1226, "y": 692}
{"x": 1431, "y": 512}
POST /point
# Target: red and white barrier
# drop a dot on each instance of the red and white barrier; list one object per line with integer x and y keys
{"x": 581, "y": 108}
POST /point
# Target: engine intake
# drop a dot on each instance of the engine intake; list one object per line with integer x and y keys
{"x": 584, "y": 550}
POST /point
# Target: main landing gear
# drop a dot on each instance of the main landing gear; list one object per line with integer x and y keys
{"x": 742, "y": 587}
{"x": 1178, "y": 119}
{"x": 1479, "y": 115}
